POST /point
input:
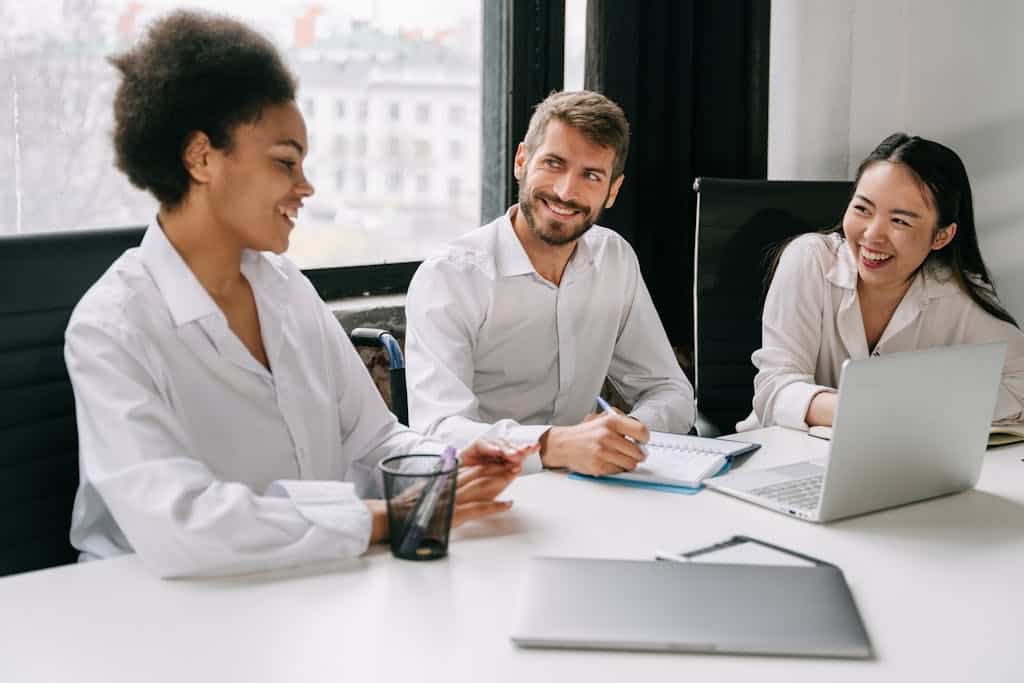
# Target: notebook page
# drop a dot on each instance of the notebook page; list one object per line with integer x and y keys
{"x": 675, "y": 466}
{"x": 695, "y": 444}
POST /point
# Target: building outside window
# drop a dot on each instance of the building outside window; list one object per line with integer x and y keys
{"x": 457, "y": 114}
{"x": 454, "y": 150}
{"x": 423, "y": 112}
{"x": 351, "y": 61}
{"x": 394, "y": 181}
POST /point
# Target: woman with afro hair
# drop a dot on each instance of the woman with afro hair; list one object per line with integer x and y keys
{"x": 225, "y": 422}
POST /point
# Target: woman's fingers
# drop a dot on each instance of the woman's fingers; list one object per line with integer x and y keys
{"x": 497, "y": 451}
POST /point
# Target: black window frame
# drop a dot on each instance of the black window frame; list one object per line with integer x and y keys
{"x": 523, "y": 53}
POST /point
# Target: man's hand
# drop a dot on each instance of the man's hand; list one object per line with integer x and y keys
{"x": 596, "y": 446}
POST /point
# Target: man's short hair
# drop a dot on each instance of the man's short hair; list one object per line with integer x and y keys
{"x": 599, "y": 119}
{"x": 192, "y": 72}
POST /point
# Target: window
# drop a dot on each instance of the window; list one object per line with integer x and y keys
{"x": 454, "y": 188}
{"x": 358, "y": 65}
{"x": 394, "y": 181}
{"x": 454, "y": 149}
{"x": 457, "y": 114}
{"x": 423, "y": 112}
{"x": 394, "y": 146}
{"x": 575, "y": 43}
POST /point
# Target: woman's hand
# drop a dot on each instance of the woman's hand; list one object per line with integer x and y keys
{"x": 496, "y": 452}
{"x": 487, "y": 468}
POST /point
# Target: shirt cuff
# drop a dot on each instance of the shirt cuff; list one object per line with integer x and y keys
{"x": 792, "y": 402}
{"x": 331, "y": 505}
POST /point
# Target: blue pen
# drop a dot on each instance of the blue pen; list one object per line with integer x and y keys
{"x": 420, "y": 516}
{"x": 607, "y": 407}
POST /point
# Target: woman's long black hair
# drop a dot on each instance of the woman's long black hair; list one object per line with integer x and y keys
{"x": 939, "y": 169}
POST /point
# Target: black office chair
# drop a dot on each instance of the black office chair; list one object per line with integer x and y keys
{"x": 372, "y": 337}
{"x": 738, "y": 223}
{"x": 42, "y": 277}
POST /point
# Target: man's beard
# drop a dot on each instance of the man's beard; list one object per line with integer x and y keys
{"x": 554, "y": 236}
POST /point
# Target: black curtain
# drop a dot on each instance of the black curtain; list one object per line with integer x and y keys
{"x": 692, "y": 77}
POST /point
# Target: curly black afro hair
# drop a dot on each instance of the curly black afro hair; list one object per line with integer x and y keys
{"x": 192, "y": 72}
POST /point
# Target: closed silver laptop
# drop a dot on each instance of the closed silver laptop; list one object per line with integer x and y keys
{"x": 688, "y": 607}
{"x": 908, "y": 426}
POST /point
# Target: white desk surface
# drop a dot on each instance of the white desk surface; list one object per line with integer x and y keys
{"x": 940, "y": 586}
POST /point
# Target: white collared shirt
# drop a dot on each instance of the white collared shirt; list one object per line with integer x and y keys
{"x": 495, "y": 350}
{"x": 192, "y": 453}
{"x": 812, "y": 323}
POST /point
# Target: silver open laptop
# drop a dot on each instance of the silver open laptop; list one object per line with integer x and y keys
{"x": 908, "y": 426}
{"x": 597, "y": 604}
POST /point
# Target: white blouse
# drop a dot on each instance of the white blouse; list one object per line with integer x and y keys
{"x": 193, "y": 454}
{"x": 812, "y": 323}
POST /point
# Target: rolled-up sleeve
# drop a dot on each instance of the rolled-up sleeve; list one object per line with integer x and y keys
{"x": 981, "y": 328}
{"x": 791, "y": 332}
{"x": 180, "y": 519}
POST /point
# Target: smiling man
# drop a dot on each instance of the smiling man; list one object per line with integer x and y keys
{"x": 513, "y": 328}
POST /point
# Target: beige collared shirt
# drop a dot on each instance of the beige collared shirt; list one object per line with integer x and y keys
{"x": 495, "y": 350}
{"x": 812, "y": 323}
{"x": 192, "y": 453}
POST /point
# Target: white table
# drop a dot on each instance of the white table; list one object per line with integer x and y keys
{"x": 940, "y": 586}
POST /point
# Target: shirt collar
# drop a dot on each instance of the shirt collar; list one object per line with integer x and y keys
{"x": 187, "y": 300}
{"x": 513, "y": 260}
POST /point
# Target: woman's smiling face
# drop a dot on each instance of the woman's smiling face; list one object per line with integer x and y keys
{"x": 258, "y": 184}
{"x": 891, "y": 225}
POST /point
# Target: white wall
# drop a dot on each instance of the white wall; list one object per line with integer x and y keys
{"x": 845, "y": 74}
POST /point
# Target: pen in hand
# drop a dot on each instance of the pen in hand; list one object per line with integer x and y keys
{"x": 606, "y": 407}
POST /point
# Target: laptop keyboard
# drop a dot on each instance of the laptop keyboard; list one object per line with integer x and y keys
{"x": 797, "y": 493}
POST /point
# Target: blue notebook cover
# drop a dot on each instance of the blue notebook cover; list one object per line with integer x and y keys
{"x": 685, "y": 490}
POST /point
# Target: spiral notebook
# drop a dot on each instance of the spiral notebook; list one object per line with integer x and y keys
{"x": 684, "y": 459}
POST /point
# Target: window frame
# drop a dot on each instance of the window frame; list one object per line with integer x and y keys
{"x": 524, "y": 45}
